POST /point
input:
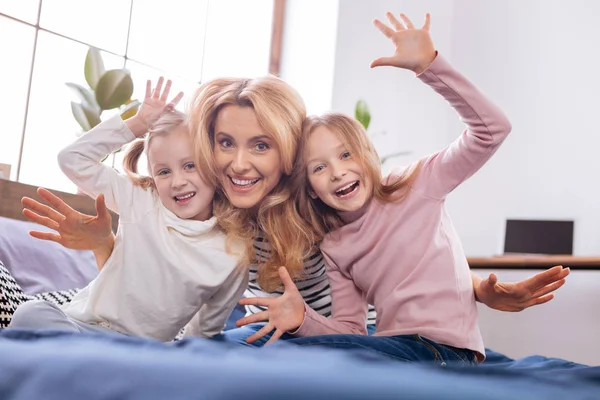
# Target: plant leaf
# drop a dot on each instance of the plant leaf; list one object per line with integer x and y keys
{"x": 114, "y": 89}
{"x": 87, "y": 96}
{"x": 362, "y": 114}
{"x": 130, "y": 109}
{"x": 94, "y": 67}
{"x": 85, "y": 116}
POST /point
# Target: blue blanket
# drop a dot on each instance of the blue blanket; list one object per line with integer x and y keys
{"x": 53, "y": 365}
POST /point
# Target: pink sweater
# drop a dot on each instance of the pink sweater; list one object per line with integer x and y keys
{"x": 406, "y": 258}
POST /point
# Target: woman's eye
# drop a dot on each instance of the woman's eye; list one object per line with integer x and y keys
{"x": 345, "y": 155}
{"x": 189, "y": 166}
{"x": 262, "y": 146}
{"x": 226, "y": 143}
{"x": 163, "y": 172}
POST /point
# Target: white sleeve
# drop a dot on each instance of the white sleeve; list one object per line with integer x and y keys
{"x": 212, "y": 316}
{"x": 81, "y": 162}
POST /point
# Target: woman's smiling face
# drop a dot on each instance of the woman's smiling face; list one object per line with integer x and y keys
{"x": 248, "y": 160}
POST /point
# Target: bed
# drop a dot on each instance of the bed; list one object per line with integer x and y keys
{"x": 49, "y": 365}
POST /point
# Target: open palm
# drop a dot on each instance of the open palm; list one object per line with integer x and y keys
{"x": 518, "y": 296}
{"x": 74, "y": 230}
{"x": 155, "y": 102}
{"x": 413, "y": 47}
{"x": 284, "y": 313}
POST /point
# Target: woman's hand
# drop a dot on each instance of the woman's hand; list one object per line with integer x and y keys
{"x": 154, "y": 106}
{"x": 518, "y": 296}
{"x": 284, "y": 313}
{"x": 414, "y": 47}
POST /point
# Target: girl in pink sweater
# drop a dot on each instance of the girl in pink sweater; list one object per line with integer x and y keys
{"x": 390, "y": 242}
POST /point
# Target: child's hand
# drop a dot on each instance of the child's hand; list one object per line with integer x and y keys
{"x": 154, "y": 106}
{"x": 285, "y": 313}
{"x": 414, "y": 48}
{"x": 521, "y": 295}
{"x": 74, "y": 230}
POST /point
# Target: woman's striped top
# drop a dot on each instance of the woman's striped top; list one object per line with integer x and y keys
{"x": 314, "y": 288}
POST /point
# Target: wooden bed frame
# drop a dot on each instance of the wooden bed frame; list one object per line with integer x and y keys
{"x": 11, "y": 193}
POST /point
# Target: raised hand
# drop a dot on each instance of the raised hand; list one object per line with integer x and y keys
{"x": 518, "y": 296}
{"x": 414, "y": 47}
{"x": 154, "y": 106}
{"x": 74, "y": 230}
{"x": 284, "y": 313}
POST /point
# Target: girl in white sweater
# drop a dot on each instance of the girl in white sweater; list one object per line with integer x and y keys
{"x": 169, "y": 261}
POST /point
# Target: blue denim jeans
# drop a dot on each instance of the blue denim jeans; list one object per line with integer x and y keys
{"x": 239, "y": 335}
{"x": 407, "y": 348}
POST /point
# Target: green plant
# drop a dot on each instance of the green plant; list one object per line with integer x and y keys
{"x": 363, "y": 115}
{"x": 107, "y": 90}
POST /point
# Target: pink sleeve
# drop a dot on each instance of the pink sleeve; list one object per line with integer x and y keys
{"x": 348, "y": 308}
{"x": 487, "y": 127}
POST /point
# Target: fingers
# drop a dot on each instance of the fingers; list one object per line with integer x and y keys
{"x": 165, "y": 93}
{"x": 288, "y": 283}
{"x": 47, "y": 222}
{"x": 41, "y": 209}
{"x": 539, "y": 300}
{"x": 275, "y": 337}
{"x": 549, "y": 288}
{"x": 157, "y": 89}
{"x": 542, "y": 279}
{"x": 256, "y": 301}
{"x": 55, "y": 202}
{"x": 427, "y": 23}
{"x": 492, "y": 279}
{"x": 382, "y": 61}
{"x": 148, "y": 88}
{"x": 45, "y": 236}
{"x": 265, "y": 330}
{"x": 407, "y": 21}
{"x": 250, "y": 319}
{"x": 386, "y": 30}
{"x": 397, "y": 24}
{"x": 101, "y": 210}
{"x": 176, "y": 100}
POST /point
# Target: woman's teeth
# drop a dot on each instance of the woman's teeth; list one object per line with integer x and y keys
{"x": 244, "y": 182}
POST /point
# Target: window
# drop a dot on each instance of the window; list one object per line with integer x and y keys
{"x": 186, "y": 41}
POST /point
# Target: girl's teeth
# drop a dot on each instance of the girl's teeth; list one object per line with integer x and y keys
{"x": 345, "y": 187}
{"x": 187, "y": 196}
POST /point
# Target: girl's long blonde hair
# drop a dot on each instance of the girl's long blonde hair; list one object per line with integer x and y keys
{"x": 280, "y": 112}
{"x": 321, "y": 217}
{"x": 165, "y": 124}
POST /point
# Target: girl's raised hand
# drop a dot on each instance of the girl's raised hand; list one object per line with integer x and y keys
{"x": 414, "y": 47}
{"x": 154, "y": 106}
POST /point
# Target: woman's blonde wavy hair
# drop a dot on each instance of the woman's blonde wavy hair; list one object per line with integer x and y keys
{"x": 321, "y": 217}
{"x": 164, "y": 125}
{"x": 280, "y": 112}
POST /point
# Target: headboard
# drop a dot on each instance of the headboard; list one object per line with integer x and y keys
{"x": 11, "y": 193}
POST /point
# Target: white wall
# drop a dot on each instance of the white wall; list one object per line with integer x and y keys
{"x": 537, "y": 59}
{"x": 308, "y": 54}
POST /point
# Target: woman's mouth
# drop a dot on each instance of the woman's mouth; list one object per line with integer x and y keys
{"x": 243, "y": 184}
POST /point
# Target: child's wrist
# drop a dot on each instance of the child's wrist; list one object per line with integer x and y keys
{"x": 424, "y": 66}
{"x": 137, "y": 126}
